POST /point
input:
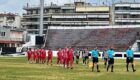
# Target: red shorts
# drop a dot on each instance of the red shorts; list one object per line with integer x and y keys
{"x": 65, "y": 60}
{"x": 29, "y": 57}
{"x": 43, "y": 57}
{"x": 49, "y": 58}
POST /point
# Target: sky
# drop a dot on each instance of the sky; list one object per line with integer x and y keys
{"x": 16, "y": 6}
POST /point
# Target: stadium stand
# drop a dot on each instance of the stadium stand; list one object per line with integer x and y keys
{"x": 119, "y": 38}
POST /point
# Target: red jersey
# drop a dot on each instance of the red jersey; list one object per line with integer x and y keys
{"x": 50, "y": 53}
{"x": 29, "y": 53}
{"x": 70, "y": 53}
{"x": 37, "y": 53}
{"x": 34, "y": 54}
{"x": 65, "y": 53}
{"x": 43, "y": 53}
{"x": 59, "y": 53}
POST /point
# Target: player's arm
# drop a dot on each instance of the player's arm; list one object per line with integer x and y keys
{"x": 133, "y": 54}
{"x": 75, "y": 52}
{"x": 99, "y": 53}
{"x": 126, "y": 53}
{"x": 113, "y": 53}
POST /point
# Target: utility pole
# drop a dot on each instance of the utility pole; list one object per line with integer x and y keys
{"x": 41, "y": 17}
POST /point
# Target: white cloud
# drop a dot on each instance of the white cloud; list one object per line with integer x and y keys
{"x": 14, "y": 6}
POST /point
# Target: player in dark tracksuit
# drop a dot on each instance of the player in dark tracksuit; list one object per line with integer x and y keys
{"x": 105, "y": 56}
{"x": 77, "y": 54}
{"x": 130, "y": 59}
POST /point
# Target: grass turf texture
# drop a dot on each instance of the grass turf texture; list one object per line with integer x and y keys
{"x": 18, "y": 69}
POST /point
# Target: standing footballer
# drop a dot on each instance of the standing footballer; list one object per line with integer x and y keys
{"x": 95, "y": 55}
{"x": 105, "y": 56}
{"x": 70, "y": 58}
{"x": 77, "y": 54}
{"x": 30, "y": 55}
{"x": 50, "y": 55}
{"x": 59, "y": 57}
{"x": 110, "y": 53}
{"x": 130, "y": 58}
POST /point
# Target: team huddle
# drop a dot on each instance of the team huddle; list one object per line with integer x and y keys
{"x": 66, "y": 56}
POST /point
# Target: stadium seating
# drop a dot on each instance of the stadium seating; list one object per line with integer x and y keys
{"x": 119, "y": 38}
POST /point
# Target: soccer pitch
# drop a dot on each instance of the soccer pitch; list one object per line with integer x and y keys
{"x": 12, "y": 68}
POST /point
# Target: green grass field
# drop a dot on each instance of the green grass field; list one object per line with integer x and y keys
{"x": 18, "y": 69}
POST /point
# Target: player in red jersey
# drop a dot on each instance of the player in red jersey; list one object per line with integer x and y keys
{"x": 50, "y": 55}
{"x": 59, "y": 56}
{"x": 65, "y": 57}
{"x": 37, "y": 56}
{"x": 34, "y": 56}
{"x": 70, "y": 58}
{"x": 29, "y": 55}
{"x": 43, "y": 56}
{"x": 40, "y": 56}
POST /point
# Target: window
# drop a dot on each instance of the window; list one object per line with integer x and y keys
{"x": 136, "y": 8}
{"x": 12, "y": 45}
{"x": 122, "y": 8}
{"x": 2, "y": 33}
{"x": 10, "y": 18}
{"x": 1, "y": 17}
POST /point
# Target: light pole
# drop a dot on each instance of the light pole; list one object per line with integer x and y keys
{"x": 41, "y": 17}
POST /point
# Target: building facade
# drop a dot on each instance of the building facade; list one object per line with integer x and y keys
{"x": 81, "y": 14}
{"x": 74, "y": 15}
{"x": 10, "y": 19}
{"x": 11, "y": 37}
{"x": 126, "y": 14}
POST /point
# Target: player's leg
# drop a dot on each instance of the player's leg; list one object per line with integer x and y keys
{"x": 93, "y": 64}
{"x": 127, "y": 64}
{"x": 64, "y": 61}
{"x": 61, "y": 61}
{"x": 44, "y": 60}
{"x": 112, "y": 67}
{"x": 77, "y": 59}
{"x": 131, "y": 60}
{"x": 28, "y": 58}
{"x": 68, "y": 62}
{"x": 88, "y": 61}
{"x": 48, "y": 61}
{"x": 97, "y": 66}
{"x": 105, "y": 62}
{"x": 108, "y": 64}
{"x": 112, "y": 64}
{"x": 51, "y": 61}
{"x": 71, "y": 63}
{"x": 83, "y": 60}
{"x": 57, "y": 61}
{"x": 41, "y": 60}
{"x": 37, "y": 60}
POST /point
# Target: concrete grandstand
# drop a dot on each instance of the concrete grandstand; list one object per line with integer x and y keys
{"x": 120, "y": 37}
